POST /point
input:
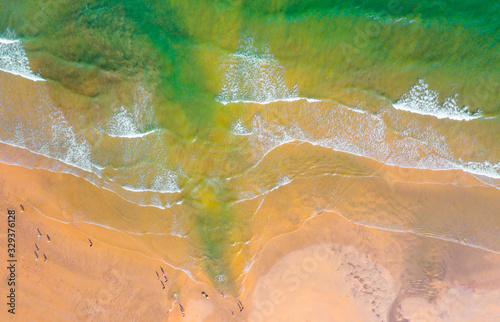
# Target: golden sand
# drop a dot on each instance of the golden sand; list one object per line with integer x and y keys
{"x": 325, "y": 235}
{"x": 303, "y": 264}
{"x": 113, "y": 279}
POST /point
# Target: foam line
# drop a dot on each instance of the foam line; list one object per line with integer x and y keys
{"x": 13, "y": 60}
{"x": 8, "y": 41}
{"x": 422, "y": 100}
{"x": 288, "y": 99}
{"x": 33, "y": 77}
{"x": 131, "y": 136}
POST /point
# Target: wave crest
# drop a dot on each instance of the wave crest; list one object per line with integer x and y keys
{"x": 253, "y": 74}
{"x": 422, "y": 100}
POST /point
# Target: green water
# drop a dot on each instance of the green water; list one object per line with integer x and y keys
{"x": 95, "y": 48}
{"x": 327, "y": 44}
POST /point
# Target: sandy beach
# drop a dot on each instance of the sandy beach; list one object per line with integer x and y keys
{"x": 372, "y": 278}
{"x": 113, "y": 279}
{"x": 250, "y": 161}
{"x": 323, "y": 268}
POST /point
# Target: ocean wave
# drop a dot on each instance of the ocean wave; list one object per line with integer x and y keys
{"x": 34, "y": 160}
{"x": 132, "y": 136}
{"x": 164, "y": 182}
{"x": 422, "y": 100}
{"x": 8, "y": 41}
{"x": 122, "y": 124}
{"x": 362, "y": 134}
{"x": 35, "y": 124}
{"x": 289, "y": 99}
{"x": 47, "y": 138}
{"x": 134, "y": 121}
{"x": 15, "y": 155}
{"x": 13, "y": 58}
{"x": 253, "y": 74}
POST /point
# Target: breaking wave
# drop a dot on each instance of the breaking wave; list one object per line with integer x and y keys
{"x": 363, "y": 134}
{"x": 422, "y": 100}
{"x": 135, "y": 122}
{"x": 13, "y": 58}
{"x": 253, "y": 75}
{"x": 125, "y": 154}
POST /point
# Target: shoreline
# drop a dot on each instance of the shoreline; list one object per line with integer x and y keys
{"x": 74, "y": 269}
{"x": 305, "y": 262}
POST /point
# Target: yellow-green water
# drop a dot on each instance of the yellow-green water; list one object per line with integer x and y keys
{"x": 181, "y": 104}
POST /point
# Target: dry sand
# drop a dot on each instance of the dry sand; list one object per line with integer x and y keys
{"x": 320, "y": 268}
{"x": 112, "y": 280}
{"x": 359, "y": 274}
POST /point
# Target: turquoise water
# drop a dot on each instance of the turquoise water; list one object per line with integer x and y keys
{"x": 166, "y": 102}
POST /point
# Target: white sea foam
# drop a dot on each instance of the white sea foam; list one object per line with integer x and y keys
{"x": 132, "y": 136}
{"x": 20, "y": 156}
{"x": 283, "y": 181}
{"x": 16, "y": 155}
{"x": 8, "y": 41}
{"x": 238, "y": 128}
{"x": 163, "y": 182}
{"x": 132, "y": 122}
{"x": 253, "y": 75}
{"x": 139, "y": 157}
{"x": 422, "y": 100}
{"x": 122, "y": 124}
{"x": 177, "y": 228}
{"x": 13, "y": 58}
{"x": 365, "y": 135}
{"x": 36, "y": 124}
{"x": 152, "y": 179}
{"x": 290, "y": 99}
{"x": 47, "y": 138}
{"x": 166, "y": 181}
{"x": 33, "y": 160}
{"x": 247, "y": 81}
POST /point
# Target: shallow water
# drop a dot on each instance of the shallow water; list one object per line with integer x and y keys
{"x": 208, "y": 115}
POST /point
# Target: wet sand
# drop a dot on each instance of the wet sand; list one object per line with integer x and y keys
{"x": 113, "y": 279}
{"x": 303, "y": 263}
{"x": 347, "y": 272}
{"x": 259, "y": 202}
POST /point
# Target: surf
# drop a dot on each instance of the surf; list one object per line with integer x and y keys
{"x": 13, "y": 58}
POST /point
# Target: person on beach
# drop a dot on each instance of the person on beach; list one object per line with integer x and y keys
{"x": 22, "y": 208}
{"x": 39, "y": 233}
{"x": 157, "y": 275}
{"x": 37, "y": 249}
{"x": 44, "y": 257}
{"x": 36, "y": 254}
{"x": 90, "y": 242}
{"x": 162, "y": 284}
{"x": 205, "y": 295}
{"x": 182, "y": 310}
{"x": 240, "y": 305}
{"x": 48, "y": 238}
{"x": 162, "y": 271}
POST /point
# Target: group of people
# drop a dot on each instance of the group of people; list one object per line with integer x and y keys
{"x": 48, "y": 241}
{"x": 36, "y": 246}
{"x": 165, "y": 276}
{"x": 204, "y": 294}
